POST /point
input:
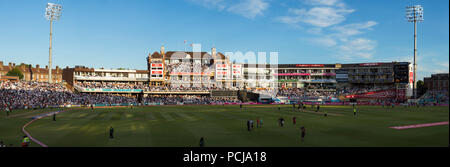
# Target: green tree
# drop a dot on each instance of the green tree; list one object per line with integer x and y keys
{"x": 15, "y": 72}
{"x": 26, "y": 65}
{"x": 421, "y": 89}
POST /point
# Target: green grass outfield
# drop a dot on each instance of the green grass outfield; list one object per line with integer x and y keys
{"x": 225, "y": 126}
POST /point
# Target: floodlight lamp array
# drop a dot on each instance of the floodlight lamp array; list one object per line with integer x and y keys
{"x": 53, "y": 11}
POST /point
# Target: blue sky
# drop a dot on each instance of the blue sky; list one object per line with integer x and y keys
{"x": 120, "y": 33}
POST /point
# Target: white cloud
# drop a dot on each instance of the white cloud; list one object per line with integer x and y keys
{"x": 326, "y": 41}
{"x": 323, "y": 18}
{"x": 353, "y": 29}
{"x": 359, "y": 44}
{"x": 317, "y": 16}
{"x": 359, "y": 47}
{"x": 315, "y": 30}
{"x": 345, "y": 42}
{"x": 440, "y": 63}
{"x": 426, "y": 65}
{"x": 219, "y": 4}
{"x": 426, "y": 70}
{"x": 247, "y": 8}
{"x": 322, "y": 2}
{"x": 399, "y": 59}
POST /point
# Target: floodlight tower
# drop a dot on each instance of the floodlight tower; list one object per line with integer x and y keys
{"x": 52, "y": 12}
{"x": 414, "y": 14}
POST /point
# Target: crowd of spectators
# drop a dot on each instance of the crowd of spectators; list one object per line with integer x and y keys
{"x": 186, "y": 88}
{"x": 188, "y": 99}
{"x": 435, "y": 96}
{"x": 349, "y": 91}
{"x": 111, "y": 85}
{"x": 29, "y": 94}
{"x": 204, "y": 84}
{"x": 304, "y": 93}
{"x": 196, "y": 81}
{"x": 176, "y": 86}
{"x": 187, "y": 67}
{"x": 307, "y": 93}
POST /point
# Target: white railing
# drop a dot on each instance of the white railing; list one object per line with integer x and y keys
{"x": 109, "y": 78}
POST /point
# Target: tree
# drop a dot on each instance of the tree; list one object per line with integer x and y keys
{"x": 421, "y": 89}
{"x": 26, "y": 65}
{"x": 15, "y": 72}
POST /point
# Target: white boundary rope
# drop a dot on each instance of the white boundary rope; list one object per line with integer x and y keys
{"x": 34, "y": 119}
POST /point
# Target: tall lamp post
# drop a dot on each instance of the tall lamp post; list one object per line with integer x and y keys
{"x": 414, "y": 14}
{"x": 52, "y": 12}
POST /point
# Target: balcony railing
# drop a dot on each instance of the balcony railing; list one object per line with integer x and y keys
{"x": 99, "y": 78}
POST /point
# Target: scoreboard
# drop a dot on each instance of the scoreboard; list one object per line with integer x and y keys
{"x": 228, "y": 71}
{"x": 222, "y": 71}
{"x": 236, "y": 71}
{"x": 156, "y": 71}
{"x": 401, "y": 73}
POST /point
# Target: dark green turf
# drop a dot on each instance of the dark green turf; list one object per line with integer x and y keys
{"x": 226, "y": 126}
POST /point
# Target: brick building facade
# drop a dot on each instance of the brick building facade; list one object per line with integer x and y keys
{"x": 33, "y": 73}
{"x": 437, "y": 82}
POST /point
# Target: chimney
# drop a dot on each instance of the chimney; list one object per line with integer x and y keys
{"x": 213, "y": 52}
{"x": 9, "y": 65}
{"x": 46, "y": 67}
{"x": 162, "y": 50}
{"x": 14, "y": 65}
{"x": 37, "y": 66}
{"x": 1, "y": 63}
